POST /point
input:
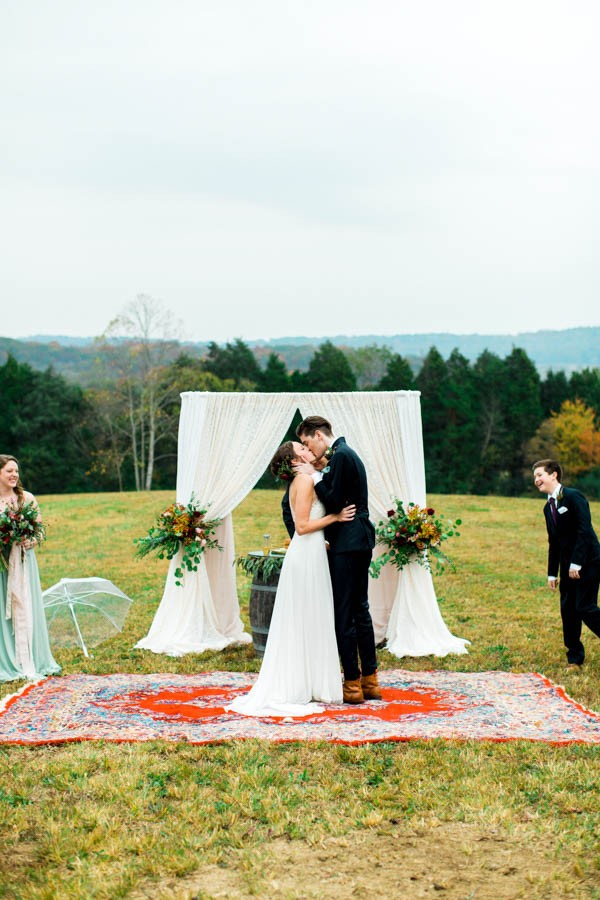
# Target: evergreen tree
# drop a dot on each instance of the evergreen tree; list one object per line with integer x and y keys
{"x": 585, "y": 386}
{"x": 329, "y": 370}
{"x": 554, "y": 390}
{"x": 462, "y": 434}
{"x": 432, "y": 381}
{"x": 41, "y": 425}
{"x": 489, "y": 378}
{"x": 234, "y": 361}
{"x": 522, "y": 412}
{"x": 275, "y": 378}
{"x": 398, "y": 376}
{"x": 298, "y": 381}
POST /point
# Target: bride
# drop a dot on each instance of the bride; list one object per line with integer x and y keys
{"x": 300, "y": 664}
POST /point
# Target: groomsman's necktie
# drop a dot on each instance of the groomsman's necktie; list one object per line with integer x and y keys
{"x": 552, "y": 503}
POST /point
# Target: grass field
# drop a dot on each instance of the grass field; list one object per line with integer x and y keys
{"x": 412, "y": 819}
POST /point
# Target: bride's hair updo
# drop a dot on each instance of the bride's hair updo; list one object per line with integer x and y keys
{"x": 281, "y": 464}
{"x": 4, "y": 459}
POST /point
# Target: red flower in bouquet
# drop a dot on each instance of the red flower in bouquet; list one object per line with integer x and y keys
{"x": 181, "y": 527}
{"x": 18, "y": 526}
{"x": 413, "y": 534}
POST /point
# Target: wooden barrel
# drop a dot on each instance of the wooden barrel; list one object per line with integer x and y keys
{"x": 262, "y": 598}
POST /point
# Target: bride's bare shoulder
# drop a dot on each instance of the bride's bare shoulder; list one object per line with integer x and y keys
{"x": 302, "y": 485}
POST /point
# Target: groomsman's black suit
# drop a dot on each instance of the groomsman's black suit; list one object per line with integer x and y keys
{"x": 350, "y": 550}
{"x": 572, "y": 539}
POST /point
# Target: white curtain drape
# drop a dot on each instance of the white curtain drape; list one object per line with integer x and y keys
{"x": 385, "y": 430}
{"x": 225, "y": 443}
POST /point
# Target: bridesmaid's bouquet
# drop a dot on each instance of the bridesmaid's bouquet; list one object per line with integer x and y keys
{"x": 181, "y": 527}
{"x": 18, "y": 525}
{"x": 413, "y": 534}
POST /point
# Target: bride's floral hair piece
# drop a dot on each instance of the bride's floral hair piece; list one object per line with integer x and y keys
{"x": 281, "y": 464}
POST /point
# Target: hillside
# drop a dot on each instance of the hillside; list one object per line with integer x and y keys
{"x": 570, "y": 349}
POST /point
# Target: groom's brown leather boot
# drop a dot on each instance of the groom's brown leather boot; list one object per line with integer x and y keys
{"x": 353, "y": 692}
{"x": 370, "y": 686}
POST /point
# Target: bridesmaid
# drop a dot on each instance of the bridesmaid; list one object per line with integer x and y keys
{"x": 24, "y": 646}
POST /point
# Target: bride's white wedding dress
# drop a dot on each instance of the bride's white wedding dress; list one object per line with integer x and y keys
{"x": 300, "y": 664}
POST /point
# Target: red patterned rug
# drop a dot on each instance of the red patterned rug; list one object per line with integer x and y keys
{"x": 493, "y": 706}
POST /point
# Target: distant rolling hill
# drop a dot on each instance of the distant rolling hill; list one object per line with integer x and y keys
{"x": 569, "y": 349}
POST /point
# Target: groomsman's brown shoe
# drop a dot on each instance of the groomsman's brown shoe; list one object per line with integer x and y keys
{"x": 370, "y": 686}
{"x": 353, "y": 692}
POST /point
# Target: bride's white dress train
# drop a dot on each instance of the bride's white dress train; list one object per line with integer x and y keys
{"x": 301, "y": 663}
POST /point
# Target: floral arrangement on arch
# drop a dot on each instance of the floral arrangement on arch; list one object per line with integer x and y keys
{"x": 182, "y": 527}
{"x": 18, "y": 525}
{"x": 413, "y": 534}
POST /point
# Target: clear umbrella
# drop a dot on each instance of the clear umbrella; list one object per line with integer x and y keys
{"x": 84, "y": 611}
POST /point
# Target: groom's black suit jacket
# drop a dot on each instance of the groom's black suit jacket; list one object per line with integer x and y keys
{"x": 572, "y": 539}
{"x": 345, "y": 483}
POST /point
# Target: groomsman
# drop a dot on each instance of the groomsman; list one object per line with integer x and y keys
{"x": 573, "y": 554}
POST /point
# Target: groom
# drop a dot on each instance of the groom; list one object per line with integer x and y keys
{"x": 342, "y": 481}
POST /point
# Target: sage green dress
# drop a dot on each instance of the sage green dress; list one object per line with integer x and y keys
{"x": 43, "y": 660}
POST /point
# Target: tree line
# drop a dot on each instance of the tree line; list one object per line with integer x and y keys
{"x": 484, "y": 422}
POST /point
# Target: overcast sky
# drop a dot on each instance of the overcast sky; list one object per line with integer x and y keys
{"x": 267, "y": 168}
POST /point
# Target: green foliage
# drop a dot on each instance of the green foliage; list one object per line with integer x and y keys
{"x": 432, "y": 381}
{"x": 18, "y": 526}
{"x": 369, "y": 365}
{"x": 275, "y": 378}
{"x": 262, "y": 568}
{"x": 585, "y": 386}
{"x": 329, "y": 370}
{"x": 413, "y": 534}
{"x": 462, "y": 436}
{"x": 41, "y": 424}
{"x": 181, "y": 528}
{"x": 398, "y": 375}
{"x": 554, "y": 390}
{"x": 522, "y": 412}
{"x": 483, "y": 422}
{"x": 236, "y": 362}
{"x": 589, "y": 483}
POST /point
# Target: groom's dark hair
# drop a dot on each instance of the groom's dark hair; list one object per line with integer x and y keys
{"x": 312, "y": 424}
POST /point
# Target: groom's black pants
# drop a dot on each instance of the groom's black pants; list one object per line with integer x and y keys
{"x": 353, "y": 625}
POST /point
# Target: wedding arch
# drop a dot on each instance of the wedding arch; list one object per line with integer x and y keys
{"x": 226, "y": 441}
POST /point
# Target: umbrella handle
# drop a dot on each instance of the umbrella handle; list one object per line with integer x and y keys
{"x": 79, "y": 635}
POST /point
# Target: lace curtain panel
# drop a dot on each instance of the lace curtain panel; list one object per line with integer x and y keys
{"x": 225, "y": 443}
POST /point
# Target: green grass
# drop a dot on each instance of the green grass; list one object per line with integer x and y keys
{"x": 102, "y": 820}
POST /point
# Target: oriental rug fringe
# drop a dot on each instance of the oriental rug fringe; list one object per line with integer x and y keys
{"x": 482, "y": 706}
